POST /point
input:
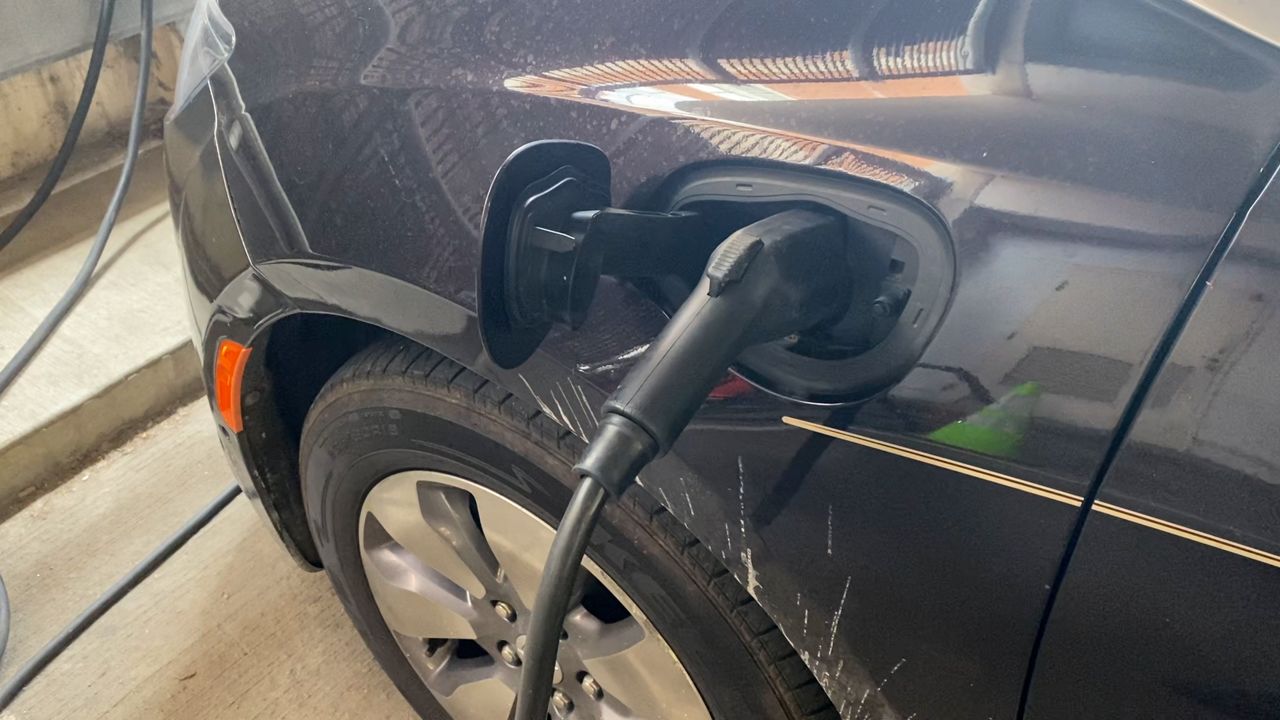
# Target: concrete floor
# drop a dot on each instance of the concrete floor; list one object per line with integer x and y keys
{"x": 122, "y": 358}
{"x": 227, "y": 628}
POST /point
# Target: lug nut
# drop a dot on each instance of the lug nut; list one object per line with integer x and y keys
{"x": 591, "y": 687}
{"x": 509, "y": 654}
{"x": 562, "y": 704}
{"x": 505, "y": 611}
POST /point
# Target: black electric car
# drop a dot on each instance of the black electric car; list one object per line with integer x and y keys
{"x": 1027, "y": 467}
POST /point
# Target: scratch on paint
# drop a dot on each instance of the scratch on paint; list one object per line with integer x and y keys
{"x": 574, "y": 399}
{"x": 806, "y": 622}
{"x": 829, "y": 524}
{"x": 858, "y": 712}
{"x": 546, "y": 410}
{"x": 582, "y": 397}
{"x": 577, "y": 420}
{"x": 835, "y": 620}
{"x": 742, "y": 501}
{"x": 727, "y": 537}
{"x": 665, "y": 500}
{"x": 687, "y": 499}
{"x": 588, "y": 415}
{"x": 563, "y": 416}
{"x": 753, "y": 579}
{"x": 563, "y": 420}
{"x": 891, "y": 672}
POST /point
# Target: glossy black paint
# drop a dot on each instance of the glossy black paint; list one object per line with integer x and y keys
{"x": 1156, "y": 625}
{"x": 1085, "y": 157}
{"x": 200, "y": 203}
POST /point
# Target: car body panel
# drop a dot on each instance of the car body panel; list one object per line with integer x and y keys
{"x": 1168, "y": 608}
{"x": 1085, "y": 157}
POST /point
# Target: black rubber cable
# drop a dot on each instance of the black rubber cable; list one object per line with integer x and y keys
{"x": 4, "y": 618}
{"x": 559, "y": 576}
{"x": 59, "y": 312}
{"x": 113, "y": 595}
{"x": 72, "y": 136}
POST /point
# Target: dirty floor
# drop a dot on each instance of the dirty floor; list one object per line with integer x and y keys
{"x": 227, "y": 628}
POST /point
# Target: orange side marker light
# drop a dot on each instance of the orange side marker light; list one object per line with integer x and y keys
{"x": 228, "y": 374}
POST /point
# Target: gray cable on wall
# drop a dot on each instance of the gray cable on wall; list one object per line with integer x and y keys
{"x": 58, "y": 313}
{"x": 72, "y": 136}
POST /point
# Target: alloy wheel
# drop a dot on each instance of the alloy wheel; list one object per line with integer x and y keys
{"x": 454, "y": 568}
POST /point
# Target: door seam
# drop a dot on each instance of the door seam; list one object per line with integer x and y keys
{"x": 1133, "y": 407}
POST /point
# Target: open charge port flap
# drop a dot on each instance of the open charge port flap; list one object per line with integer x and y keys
{"x": 901, "y": 270}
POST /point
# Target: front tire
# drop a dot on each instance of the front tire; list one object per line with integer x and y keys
{"x": 398, "y": 415}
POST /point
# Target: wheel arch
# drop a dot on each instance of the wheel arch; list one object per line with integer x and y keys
{"x": 293, "y": 358}
{"x": 304, "y": 320}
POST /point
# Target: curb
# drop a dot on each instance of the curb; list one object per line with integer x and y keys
{"x": 52, "y": 452}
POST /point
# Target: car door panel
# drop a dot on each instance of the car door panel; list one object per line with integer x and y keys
{"x": 1168, "y": 606}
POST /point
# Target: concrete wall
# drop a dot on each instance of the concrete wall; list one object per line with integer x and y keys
{"x": 38, "y": 32}
{"x": 36, "y": 105}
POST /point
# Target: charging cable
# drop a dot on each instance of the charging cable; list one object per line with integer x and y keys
{"x": 113, "y": 595}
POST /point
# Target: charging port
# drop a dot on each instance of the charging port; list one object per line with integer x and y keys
{"x": 902, "y": 268}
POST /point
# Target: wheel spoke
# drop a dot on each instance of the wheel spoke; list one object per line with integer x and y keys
{"x": 594, "y": 639}
{"x": 519, "y": 541}
{"x": 468, "y": 688}
{"x": 431, "y": 522}
{"x": 448, "y": 510}
{"x": 415, "y": 600}
{"x": 634, "y": 666}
